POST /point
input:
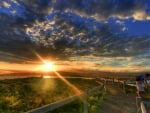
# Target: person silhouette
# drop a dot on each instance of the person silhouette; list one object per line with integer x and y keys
{"x": 141, "y": 82}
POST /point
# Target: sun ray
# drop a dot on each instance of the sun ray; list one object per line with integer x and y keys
{"x": 47, "y": 66}
{"x": 37, "y": 55}
{"x": 75, "y": 89}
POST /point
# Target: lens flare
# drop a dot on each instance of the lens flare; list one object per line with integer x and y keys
{"x": 49, "y": 66}
{"x": 75, "y": 89}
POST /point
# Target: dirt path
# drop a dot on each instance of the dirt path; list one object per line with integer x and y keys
{"x": 116, "y": 101}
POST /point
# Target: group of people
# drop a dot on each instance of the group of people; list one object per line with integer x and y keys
{"x": 141, "y": 83}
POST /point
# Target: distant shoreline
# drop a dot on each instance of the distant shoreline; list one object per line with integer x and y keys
{"x": 73, "y": 74}
{"x": 51, "y": 77}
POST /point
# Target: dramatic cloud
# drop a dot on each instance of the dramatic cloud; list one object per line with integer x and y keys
{"x": 104, "y": 9}
{"x": 71, "y": 29}
{"x": 85, "y": 36}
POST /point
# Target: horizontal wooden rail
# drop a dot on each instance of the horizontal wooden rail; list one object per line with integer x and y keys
{"x": 134, "y": 85}
{"x": 52, "y": 106}
{"x": 114, "y": 80}
{"x": 143, "y": 108}
{"x": 141, "y": 105}
{"x": 94, "y": 89}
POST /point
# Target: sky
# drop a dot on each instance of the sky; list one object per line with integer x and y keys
{"x": 108, "y": 35}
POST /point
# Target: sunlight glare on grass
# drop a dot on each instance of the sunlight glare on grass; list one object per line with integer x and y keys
{"x": 75, "y": 89}
{"x": 46, "y": 76}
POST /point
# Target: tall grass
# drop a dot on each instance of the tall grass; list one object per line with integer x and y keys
{"x": 20, "y": 95}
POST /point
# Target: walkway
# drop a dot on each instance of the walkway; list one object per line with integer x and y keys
{"x": 116, "y": 101}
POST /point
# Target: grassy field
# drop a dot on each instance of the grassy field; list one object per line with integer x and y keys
{"x": 24, "y": 94}
{"x": 20, "y": 95}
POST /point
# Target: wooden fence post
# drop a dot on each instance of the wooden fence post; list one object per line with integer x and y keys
{"x": 143, "y": 109}
{"x": 118, "y": 83}
{"x": 124, "y": 86}
{"x": 105, "y": 81}
{"x": 113, "y": 82}
{"x": 105, "y": 89}
{"x": 86, "y": 102}
{"x": 138, "y": 104}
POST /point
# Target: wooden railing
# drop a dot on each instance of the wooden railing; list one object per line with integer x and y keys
{"x": 52, "y": 106}
{"x": 120, "y": 83}
{"x": 142, "y": 105}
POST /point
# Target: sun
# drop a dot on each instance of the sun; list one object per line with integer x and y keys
{"x": 48, "y": 66}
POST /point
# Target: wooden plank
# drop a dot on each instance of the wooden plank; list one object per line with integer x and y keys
{"x": 109, "y": 80}
{"x": 143, "y": 109}
{"x": 130, "y": 82}
{"x": 55, "y": 105}
{"x": 147, "y": 105}
{"x": 94, "y": 89}
{"x": 121, "y": 81}
{"x": 138, "y": 101}
{"x": 115, "y": 80}
{"x": 131, "y": 85}
{"x": 52, "y": 106}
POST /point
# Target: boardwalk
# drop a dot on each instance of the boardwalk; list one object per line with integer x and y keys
{"x": 117, "y": 101}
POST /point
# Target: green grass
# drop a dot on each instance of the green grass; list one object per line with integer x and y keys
{"x": 20, "y": 95}
{"x": 95, "y": 99}
{"x": 73, "y": 107}
{"x": 77, "y": 106}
